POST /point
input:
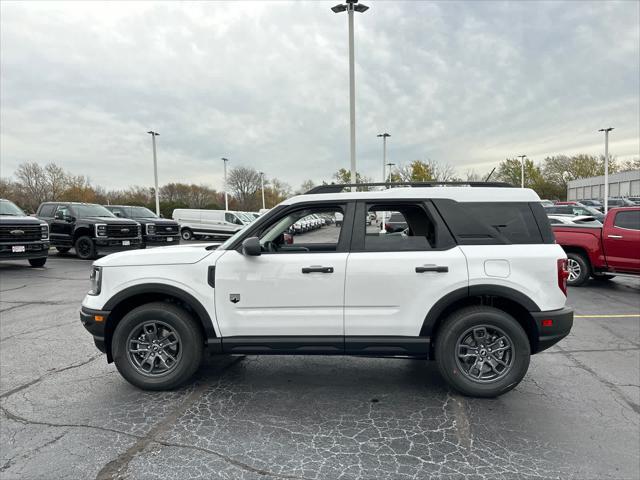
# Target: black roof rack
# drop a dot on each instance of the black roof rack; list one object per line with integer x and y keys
{"x": 339, "y": 187}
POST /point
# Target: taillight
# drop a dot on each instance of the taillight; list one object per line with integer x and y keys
{"x": 563, "y": 275}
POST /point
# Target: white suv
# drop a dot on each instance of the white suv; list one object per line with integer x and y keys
{"x": 475, "y": 281}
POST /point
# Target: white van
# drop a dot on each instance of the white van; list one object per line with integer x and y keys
{"x": 219, "y": 223}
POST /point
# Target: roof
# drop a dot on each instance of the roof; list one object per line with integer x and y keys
{"x": 459, "y": 194}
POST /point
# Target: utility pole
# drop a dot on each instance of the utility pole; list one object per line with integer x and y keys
{"x": 384, "y": 137}
{"x": 522, "y": 157}
{"x": 226, "y": 197}
{"x": 262, "y": 185}
{"x": 606, "y": 167}
{"x": 351, "y": 6}
{"x": 155, "y": 168}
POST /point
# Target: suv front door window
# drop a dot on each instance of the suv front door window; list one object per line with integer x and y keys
{"x": 291, "y": 288}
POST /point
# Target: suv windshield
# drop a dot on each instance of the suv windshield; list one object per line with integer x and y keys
{"x": 90, "y": 210}
{"x": 141, "y": 212}
{"x": 9, "y": 208}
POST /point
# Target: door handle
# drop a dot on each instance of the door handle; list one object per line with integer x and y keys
{"x": 317, "y": 269}
{"x": 432, "y": 268}
{"x": 614, "y": 236}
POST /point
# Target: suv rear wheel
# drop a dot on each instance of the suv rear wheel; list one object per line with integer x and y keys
{"x": 157, "y": 346}
{"x": 482, "y": 351}
{"x": 85, "y": 248}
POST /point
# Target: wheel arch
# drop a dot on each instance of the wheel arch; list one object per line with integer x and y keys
{"x": 81, "y": 231}
{"x": 126, "y": 300}
{"x": 511, "y": 301}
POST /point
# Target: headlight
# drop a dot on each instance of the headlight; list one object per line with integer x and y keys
{"x": 44, "y": 231}
{"x": 96, "y": 280}
{"x": 151, "y": 229}
{"x": 101, "y": 230}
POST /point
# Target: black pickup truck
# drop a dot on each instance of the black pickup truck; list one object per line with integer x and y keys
{"x": 155, "y": 230}
{"x": 21, "y": 236}
{"x": 88, "y": 228}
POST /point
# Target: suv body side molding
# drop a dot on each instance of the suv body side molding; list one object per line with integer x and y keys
{"x": 159, "y": 288}
{"x": 474, "y": 291}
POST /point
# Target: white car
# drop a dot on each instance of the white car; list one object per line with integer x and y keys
{"x": 476, "y": 282}
{"x": 201, "y": 222}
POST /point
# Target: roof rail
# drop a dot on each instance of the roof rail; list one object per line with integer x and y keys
{"x": 339, "y": 187}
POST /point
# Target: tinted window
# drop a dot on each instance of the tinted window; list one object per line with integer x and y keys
{"x": 515, "y": 221}
{"x": 47, "y": 210}
{"x": 629, "y": 220}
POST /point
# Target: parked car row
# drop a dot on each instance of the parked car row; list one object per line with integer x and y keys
{"x": 310, "y": 223}
{"x": 597, "y": 204}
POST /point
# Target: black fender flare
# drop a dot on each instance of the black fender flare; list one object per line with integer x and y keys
{"x": 169, "y": 290}
{"x": 474, "y": 291}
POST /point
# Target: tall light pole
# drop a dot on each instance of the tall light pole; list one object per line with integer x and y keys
{"x": 226, "y": 197}
{"x": 390, "y": 165}
{"x": 384, "y": 152}
{"x": 351, "y": 6}
{"x": 606, "y": 167}
{"x": 155, "y": 168}
{"x": 522, "y": 157}
{"x": 262, "y": 186}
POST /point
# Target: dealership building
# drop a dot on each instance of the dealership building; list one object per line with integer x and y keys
{"x": 623, "y": 184}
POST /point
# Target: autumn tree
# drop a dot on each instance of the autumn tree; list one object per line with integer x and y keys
{"x": 244, "y": 183}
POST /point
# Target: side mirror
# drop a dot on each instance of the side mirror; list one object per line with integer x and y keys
{"x": 68, "y": 218}
{"x": 251, "y": 247}
{"x": 59, "y": 216}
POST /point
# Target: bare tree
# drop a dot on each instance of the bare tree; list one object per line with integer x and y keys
{"x": 244, "y": 183}
{"x": 32, "y": 181}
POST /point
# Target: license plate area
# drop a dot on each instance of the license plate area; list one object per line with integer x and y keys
{"x": 126, "y": 242}
{"x": 169, "y": 239}
{"x": 18, "y": 249}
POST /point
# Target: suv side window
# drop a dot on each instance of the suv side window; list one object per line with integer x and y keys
{"x": 231, "y": 218}
{"x": 311, "y": 229}
{"x": 408, "y": 227}
{"x": 515, "y": 221}
{"x": 629, "y": 220}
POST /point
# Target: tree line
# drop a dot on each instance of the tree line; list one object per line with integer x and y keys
{"x": 33, "y": 184}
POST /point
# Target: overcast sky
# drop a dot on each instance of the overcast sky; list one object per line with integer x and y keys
{"x": 266, "y": 85}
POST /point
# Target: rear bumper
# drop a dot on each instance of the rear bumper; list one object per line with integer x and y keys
{"x": 553, "y": 326}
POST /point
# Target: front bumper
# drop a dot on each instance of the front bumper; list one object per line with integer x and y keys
{"x": 31, "y": 250}
{"x": 95, "y": 322}
{"x": 553, "y": 326}
{"x": 109, "y": 244}
{"x": 154, "y": 240}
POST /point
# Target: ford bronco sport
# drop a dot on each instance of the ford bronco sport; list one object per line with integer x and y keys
{"x": 475, "y": 281}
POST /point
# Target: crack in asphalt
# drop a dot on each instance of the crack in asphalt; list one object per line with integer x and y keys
{"x": 12, "y": 289}
{"x": 30, "y": 453}
{"x": 44, "y": 329}
{"x": 48, "y": 374}
{"x": 590, "y": 351}
{"x": 610, "y": 385}
{"x": 116, "y": 468}
{"x": 29, "y": 303}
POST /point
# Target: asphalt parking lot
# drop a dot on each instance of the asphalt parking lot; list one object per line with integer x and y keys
{"x": 66, "y": 413}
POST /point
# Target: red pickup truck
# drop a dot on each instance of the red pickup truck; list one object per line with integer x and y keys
{"x": 602, "y": 252}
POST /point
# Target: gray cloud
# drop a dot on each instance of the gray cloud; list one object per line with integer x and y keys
{"x": 265, "y": 84}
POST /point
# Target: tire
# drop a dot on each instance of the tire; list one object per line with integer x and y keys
{"x": 496, "y": 325}
{"x": 579, "y": 269}
{"x": 37, "y": 262}
{"x": 187, "y": 355}
{"x": 63, "y": 249}
{"x": 85, "y": 248}
{"x": 186, "y": 234}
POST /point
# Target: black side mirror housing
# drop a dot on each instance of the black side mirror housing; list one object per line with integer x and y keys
{"x": 251, "y": 247}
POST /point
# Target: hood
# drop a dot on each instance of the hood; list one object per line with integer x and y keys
{"x": 110, "y": 220}
{"x": 173, "y": 255}
{"x": 21, "y": 220}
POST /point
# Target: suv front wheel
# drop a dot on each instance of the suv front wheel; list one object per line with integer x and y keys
{"x": 157, "y": 346}
{"x": 482, "y": 351}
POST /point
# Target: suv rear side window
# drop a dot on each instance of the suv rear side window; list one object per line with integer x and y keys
{"x": 514, "y": 221}
{"x": 629, "y": 220}
{"x": 407, "y": 228}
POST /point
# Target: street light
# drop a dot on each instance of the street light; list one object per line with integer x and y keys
{"x": 155, "y": 168}
{"x": 351, "y": 6}
{"x": 384, "y": 137}
{"x": 522, "y": 157}
{"x": 390, "y": 165}
{"x": 226, "y": 198}
{"x": 606, "y": 167}
{"x": 262, "y": 185}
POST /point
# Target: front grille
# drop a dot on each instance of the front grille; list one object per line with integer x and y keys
{"x": 167, "y": 230}
{"x": 122, "y": 231}
{"x": 21, "y": 233}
